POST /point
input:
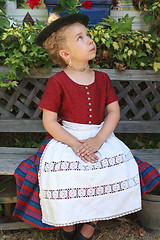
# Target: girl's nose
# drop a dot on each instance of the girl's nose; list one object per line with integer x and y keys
{"x": 90, "y": 41}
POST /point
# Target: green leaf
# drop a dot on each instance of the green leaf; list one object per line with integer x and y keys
{"x": 156, "y": 66}
{"x": 31, "y": 39}
{"x": 148, "y": 18}
{"x": 128, "y": 20}
{"x": 63, "y": 3}
{"x": 24, "y": 48}
{"x": 4, "y": 36}
{"x": 22, "y": 99}
{"x": 1, "y": 207}
{"x": 58, "y": 9}
{"x": 2, "y": 54}
{"x": 140, "y": 54}
{"x": 2, "y": 13}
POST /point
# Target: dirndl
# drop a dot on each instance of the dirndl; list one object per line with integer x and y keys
{"x": 56, "y": 188}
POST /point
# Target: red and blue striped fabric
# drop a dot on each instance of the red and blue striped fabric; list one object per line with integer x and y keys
{"x": 149, "y": 176}
{"x": 28, "y": 203}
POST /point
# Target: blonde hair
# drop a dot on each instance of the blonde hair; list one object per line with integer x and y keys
{"x": 54, "y": 44}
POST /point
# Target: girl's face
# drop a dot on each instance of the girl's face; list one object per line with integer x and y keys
{"x": 79, "y": 46}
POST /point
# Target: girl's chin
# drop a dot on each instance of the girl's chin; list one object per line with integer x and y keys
{"x": 92, "y": 57}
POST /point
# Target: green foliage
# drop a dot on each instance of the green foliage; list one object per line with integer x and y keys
{"x": 2, "y": 4}
{"x": 69, "y": 5}
{"x": 117, "y": 47}
{"x": 140, "y": 140}
{"x": 33, "y": 140}
{"x": 151, "y": 11}
{"x": 28, "y": 140}
{"x": 4, "y": 22}
{"x": 120, "y": 47}
{"x": 19, "y": 52}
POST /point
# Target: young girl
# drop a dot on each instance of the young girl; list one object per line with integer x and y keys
{"x": 82, "y": 173}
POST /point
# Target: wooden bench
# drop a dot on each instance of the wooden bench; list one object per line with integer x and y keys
{"x": 139, "y": 97}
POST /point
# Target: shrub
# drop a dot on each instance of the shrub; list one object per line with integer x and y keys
{"x": 20, "y": 53}
{"x": 151, "y": 9}
{"x": 117, "y": 47}
{"x": 120, "y": 47}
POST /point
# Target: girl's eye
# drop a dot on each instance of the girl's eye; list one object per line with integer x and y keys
{"x": 88, "y": 35}
{"x": 79, "y": 38}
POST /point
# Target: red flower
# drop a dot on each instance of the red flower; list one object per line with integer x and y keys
{"x": 33, "y": 3}
{"x": 86, "y": 4}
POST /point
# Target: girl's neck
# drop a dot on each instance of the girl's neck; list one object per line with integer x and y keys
{"x": 80, "y": 69}
{"x": 81, "y": 66}
{"x": 83, "y": 78}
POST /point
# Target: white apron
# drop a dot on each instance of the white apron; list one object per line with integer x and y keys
{"x": 72, "y": 191}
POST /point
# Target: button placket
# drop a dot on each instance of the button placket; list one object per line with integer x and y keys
{"x": 89, "y": 104}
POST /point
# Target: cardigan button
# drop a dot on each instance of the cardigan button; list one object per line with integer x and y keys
{"x": 90, "y": 116}
{"x": 87, "y": 93}
{"x": 89, "y": 98}
{"x": 86, "y": 87}
{"x": 90, "y": 109}
{"x": 89, "y": 104}
{"x": 89, "y": 122}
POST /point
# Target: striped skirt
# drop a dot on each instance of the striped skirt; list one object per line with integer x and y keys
{"x": 28, "y": 206}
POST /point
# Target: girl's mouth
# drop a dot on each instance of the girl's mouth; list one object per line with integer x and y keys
{"x": 93, "y": 49}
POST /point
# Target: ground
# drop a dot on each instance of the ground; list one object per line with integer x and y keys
{"x": 124, "y": 228}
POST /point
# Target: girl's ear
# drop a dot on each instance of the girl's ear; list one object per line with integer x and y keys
{"x": 64, "y": 54}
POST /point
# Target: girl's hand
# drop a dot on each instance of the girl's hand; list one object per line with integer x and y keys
{"x": 89, "y": 146}
{"x": 92, "y": 158}
{"x": 86, "y": 158}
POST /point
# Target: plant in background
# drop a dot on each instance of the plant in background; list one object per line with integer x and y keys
{"x": 2, "y": 4}
{"x": 117, "y": 47}
{"x": 71, "y": 6}
{"x": 33, "y": 3}
{"x": 120, "y": 47}
{"x": 4, "y": 22}
{"x": 19, "y": 52}
{"x": 151, "y": 12}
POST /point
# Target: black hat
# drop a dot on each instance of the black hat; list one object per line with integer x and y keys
{"x": 59, "y": 23}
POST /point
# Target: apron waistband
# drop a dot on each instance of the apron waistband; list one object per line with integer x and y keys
{"x": 79, "y": 126}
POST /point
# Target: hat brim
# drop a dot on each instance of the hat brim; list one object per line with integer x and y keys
{"x": 59, "y": 23}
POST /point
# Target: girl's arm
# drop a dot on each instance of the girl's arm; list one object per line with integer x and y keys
{"x": 60, "y": 134}
{"x": 91, "y": 145}
{"x": 56, "y": 130}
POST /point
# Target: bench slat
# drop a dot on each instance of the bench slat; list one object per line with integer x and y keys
{"x": 36, "y": 125}
{"x": 138, "y": 127}
{"x": 15, "y": 225}
{"x": 11, "y": 157}
{"x": 129, "y": 74}
{"x": 20, "y": 125}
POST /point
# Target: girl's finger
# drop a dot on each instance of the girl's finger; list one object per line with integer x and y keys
{"x": 82, "y": 149}
{"x": 86, "y": 151}
{"x": 92, "y": 158}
